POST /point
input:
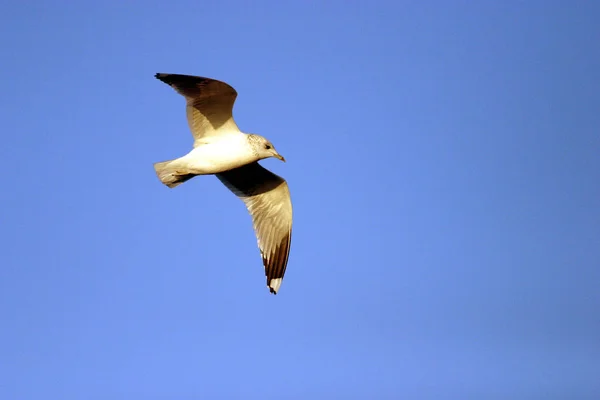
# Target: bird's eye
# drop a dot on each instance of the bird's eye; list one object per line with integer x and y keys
{"x": 267, "y": 146}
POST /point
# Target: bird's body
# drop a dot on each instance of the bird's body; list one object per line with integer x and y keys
{"x": 220, "y": 148}
{"x": 221, "y": 154}
{"x": 214, "y": 155}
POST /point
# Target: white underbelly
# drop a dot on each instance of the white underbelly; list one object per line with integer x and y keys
{"x": 212, "y": 158}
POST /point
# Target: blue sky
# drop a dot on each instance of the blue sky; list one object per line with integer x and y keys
{"x": 443, "y": 163}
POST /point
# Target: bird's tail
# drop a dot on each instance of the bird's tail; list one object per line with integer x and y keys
{"x": 172, "y": 173}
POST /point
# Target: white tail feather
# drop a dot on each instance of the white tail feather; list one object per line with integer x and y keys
{"x": 172, "y": 173}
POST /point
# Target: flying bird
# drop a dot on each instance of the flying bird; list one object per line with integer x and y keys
{"x": 221, "y": 149}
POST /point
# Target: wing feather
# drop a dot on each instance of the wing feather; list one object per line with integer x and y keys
{"x": 209, "y": 104}
{"x": 267, "y": 198}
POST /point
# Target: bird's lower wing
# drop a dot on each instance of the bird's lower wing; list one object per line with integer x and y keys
{"x": 267, "y": 198}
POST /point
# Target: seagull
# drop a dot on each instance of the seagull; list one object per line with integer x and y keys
{"x": 221, "y": 149}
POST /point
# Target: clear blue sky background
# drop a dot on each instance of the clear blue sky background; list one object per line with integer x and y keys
{"x": 444, "y": 163}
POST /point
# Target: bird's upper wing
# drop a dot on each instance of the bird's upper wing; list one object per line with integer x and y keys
{"x": 267, "y": 198}
{"x": 209, "y": 104}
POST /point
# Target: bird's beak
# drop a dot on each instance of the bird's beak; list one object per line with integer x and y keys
{"x": 279, "y": 156}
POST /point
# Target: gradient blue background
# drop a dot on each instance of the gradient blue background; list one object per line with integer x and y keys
{"x": 444, "y": 163}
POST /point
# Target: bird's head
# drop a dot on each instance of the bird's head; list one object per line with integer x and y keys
{"x": 264, "y": 148}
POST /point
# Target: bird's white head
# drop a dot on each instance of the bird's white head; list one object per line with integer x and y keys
{"x": 263, "y": 148}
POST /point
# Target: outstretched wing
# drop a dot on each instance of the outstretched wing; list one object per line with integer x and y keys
{"x": 267, "y": 198}
{"x": 209, "y": 104}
